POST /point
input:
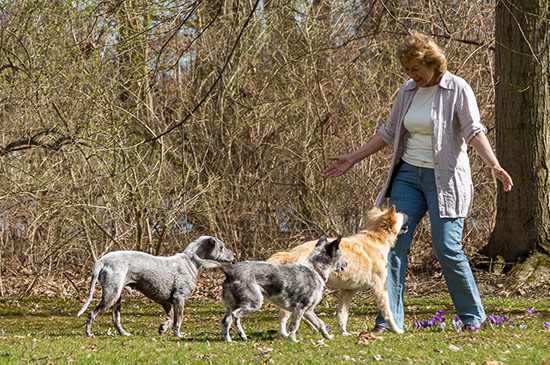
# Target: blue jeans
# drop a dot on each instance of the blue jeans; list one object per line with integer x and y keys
{"x": 414, "y": 191}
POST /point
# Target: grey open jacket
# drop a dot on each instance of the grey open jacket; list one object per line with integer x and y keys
{"x": 455, "y": 120}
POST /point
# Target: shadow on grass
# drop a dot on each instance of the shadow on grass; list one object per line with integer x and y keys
{"x": 253, "y": 336}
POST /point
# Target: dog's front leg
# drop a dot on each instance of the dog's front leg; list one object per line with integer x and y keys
{"x": 318, "y": 324}
{"x": 179, "y": 304}
{"x": 284, "y": 315}
{"x": 344, "y": 302}
{"x": 295, "y": 323}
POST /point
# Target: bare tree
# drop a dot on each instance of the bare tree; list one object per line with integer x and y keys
{"x": 522, "y": 107}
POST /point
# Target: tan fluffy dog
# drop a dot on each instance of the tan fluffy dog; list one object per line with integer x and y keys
{"x": 366, "y": 254}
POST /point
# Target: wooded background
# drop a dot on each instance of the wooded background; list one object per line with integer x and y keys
{"x": 145, "y": 124}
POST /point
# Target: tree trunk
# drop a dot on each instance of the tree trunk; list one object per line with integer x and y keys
{"x": 522, "y": 111}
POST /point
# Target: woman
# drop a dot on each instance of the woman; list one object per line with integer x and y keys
{"x": 434, "y": 116}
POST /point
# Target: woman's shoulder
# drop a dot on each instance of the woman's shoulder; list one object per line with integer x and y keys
{"x": 453, "y": 81}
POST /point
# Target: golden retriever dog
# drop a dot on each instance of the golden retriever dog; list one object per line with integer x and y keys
{"x": 366, "y": 254}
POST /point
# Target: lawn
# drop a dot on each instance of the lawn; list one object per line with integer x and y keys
{"x": 40, "y": 330}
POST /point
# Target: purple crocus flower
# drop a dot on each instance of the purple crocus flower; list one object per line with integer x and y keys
{"x": 522, "y": 326}
{"x": 424, "y": 323}
{"x": 530, "y": 310}
{"x": 497, "y": 320}
{"x": 457, "y": 323}
{"x": 433, "y": 321}
{"x": 546, "y": 325}
{"x": 440, "y": 313}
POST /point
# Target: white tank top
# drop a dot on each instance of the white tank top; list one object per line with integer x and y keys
{"x": 418, "y": 151}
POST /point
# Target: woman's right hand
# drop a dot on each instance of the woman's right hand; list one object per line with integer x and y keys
{"x": 341, "y": 164}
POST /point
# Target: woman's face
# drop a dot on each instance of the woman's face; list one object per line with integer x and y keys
{"x": 423, "y": 75}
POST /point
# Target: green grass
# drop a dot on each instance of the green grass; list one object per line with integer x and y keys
{"x": 38, "y": 330}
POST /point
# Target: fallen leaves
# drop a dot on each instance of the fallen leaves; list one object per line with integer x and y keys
{"x": 365, "y": 337}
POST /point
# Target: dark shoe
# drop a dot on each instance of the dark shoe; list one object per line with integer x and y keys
{"x": 379, "y": 329}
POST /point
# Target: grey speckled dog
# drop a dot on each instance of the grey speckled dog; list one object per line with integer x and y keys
{"x": 168, "y": 281}
{"x": 295, "y": 287}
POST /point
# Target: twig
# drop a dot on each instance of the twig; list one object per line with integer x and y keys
{"x": 169, "y": 130}
{"x": 70, "y": 281}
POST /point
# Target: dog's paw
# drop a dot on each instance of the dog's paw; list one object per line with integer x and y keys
{"x": 328, "y": 336}
{"x": 345, "y": 333}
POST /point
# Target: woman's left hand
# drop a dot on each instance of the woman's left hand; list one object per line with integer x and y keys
{"x": 504, "y": 177}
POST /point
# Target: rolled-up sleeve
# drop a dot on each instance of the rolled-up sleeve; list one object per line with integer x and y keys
{"x": 468, "y": 112}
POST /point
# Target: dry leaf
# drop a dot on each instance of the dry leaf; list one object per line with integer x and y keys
{"x": 453, "y": 347}
{"x": 364, "y": 337}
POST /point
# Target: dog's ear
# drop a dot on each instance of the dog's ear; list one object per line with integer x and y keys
{"x": 334, "y": 246}
{"x": 390, "y": 216}
{"x": 322, "y": 242}
{"x": 208, "y": 244}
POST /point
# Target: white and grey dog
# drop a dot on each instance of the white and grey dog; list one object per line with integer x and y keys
{"x": 169, "y": 281}
{"x": 295, "y": 287}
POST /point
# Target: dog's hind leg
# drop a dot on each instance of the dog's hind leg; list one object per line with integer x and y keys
{"x": 235, "y": 315}
{"x": 317, "y": 322}
{"x": 169, "y": 318}
{"x": 226, "y": 323}
{"x": 107, "y": 301}
{"x": 344, "y": 301}
{"x": 112, "y": 285}
{"x": 116, "y": 318}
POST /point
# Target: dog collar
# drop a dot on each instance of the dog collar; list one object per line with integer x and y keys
{"x": 321, "y": 274}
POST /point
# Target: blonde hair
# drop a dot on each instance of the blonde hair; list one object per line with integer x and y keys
{"x": 423, "y": 48}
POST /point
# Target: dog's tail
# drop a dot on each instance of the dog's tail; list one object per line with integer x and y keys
{"x": 209, "y": 264}
{"x": 95, "y": 274}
